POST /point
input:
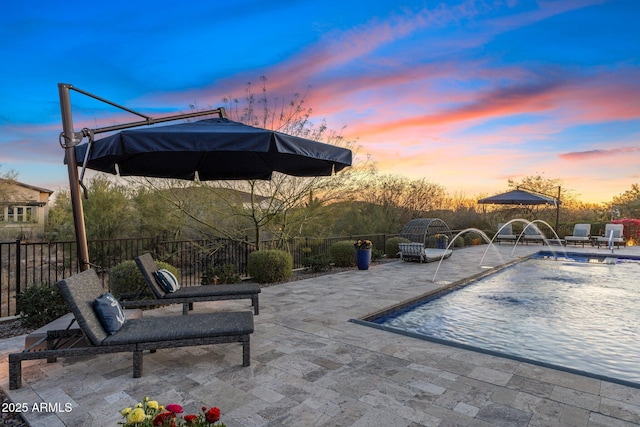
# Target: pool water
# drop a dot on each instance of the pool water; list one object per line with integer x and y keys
{"x": 581, "y": 316}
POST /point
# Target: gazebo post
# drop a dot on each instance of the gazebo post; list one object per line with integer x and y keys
{"x": 558, "y": 209}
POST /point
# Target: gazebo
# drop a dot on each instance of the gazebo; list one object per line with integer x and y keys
{"x": 424, "y": 230}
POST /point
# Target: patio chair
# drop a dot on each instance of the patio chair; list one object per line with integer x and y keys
{"x": 613, "y": 233}
{"x": 532, "y": 234}
{"x": 187, "y": 295}
{"x": 135, "y": 335}
{"x": 581, "y": 234}
{"x": 505, "y": 234}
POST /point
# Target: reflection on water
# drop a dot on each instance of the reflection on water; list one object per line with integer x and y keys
{"x": 582, "y": 316}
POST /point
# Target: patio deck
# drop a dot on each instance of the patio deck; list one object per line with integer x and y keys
{"x": 310, "y": 366}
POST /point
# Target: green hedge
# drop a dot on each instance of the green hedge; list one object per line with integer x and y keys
{"x": 391, "y": 246}
{"x": 270, "y": 266}
{"x": 39, "y": 305}
{"x": 343, "y": 254}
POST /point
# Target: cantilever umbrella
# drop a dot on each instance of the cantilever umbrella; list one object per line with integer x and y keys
{"x": 214, "y": 149}
{"x": 206, "y": 149}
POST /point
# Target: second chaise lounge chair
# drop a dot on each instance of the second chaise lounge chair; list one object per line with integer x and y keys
{"x": 581, "y": 234}
{"x": 505, "y": 234}
{"x": 613, "y": 234}
{"x": 134, "y": 335}
{"x": 531, "y": 233}
{"x": 187, "y": 295}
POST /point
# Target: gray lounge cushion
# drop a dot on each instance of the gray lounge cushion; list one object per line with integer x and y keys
{"x": 202, "y": 325}
{"x": 580, "y": 232}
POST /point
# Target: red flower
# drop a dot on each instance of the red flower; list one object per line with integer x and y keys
{"x": 191, "y": 419}
{"x": 212, "y": 415}
{"x": 172, "y": 407}
{"x": 165, "y": 419}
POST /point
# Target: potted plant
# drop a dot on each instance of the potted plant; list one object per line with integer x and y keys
{"x": 363, "y": 253}
{"x": 442, "y": 241}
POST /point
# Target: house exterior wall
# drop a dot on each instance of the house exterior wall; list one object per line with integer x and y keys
{"x": 23, "y": 210}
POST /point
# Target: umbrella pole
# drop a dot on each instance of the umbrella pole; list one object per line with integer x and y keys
{"x": 558, "y": 208}
{"x": 71, "y": 139}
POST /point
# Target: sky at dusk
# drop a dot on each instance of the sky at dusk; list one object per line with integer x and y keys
{"x": 467, "y": 94}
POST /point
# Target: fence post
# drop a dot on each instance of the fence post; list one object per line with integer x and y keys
{"x": 18, "y": 258}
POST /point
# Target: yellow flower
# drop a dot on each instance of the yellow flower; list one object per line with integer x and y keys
{"x": 153, "y": 404}
{"x": 146, "y": 399}
{"x": 136, "y": 416}
{"x": 138, "y": 405}
{"x": 125, "y": 411}
{"x": 161, "y": 408}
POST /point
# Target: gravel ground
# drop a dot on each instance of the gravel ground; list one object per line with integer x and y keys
{"x": 13, "y": 328}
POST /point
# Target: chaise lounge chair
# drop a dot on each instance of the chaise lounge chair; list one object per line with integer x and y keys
{"x": 189, "y": 294}
{"x": 581, "y": 234}
{"x": 135, "y": 335}
{"x": 613, "y": 233}
{"x": 505, "y": 234}
{"x": 531, "y": 233}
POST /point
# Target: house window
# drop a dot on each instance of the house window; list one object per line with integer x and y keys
{"x": 19, "y": 214}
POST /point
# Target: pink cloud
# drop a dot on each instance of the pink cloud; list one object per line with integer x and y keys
{"x": 598, "y": 154}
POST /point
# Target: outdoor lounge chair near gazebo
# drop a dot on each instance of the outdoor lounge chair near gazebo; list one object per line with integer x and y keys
{"x": 505, "y": 234}
{"x": 581, "y": 234}
{"x": 613, "y": 234}
{"x": 190, "y": 294}
{"x": 135, "y": 335}
{"x": 531, "y": 233}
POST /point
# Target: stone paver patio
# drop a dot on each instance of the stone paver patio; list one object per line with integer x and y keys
{"x": 311, "y": 366}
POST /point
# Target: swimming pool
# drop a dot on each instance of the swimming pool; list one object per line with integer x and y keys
{"x": 579, "y": 314}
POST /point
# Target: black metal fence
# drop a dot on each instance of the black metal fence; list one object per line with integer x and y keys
{"x": 25, "y": 264}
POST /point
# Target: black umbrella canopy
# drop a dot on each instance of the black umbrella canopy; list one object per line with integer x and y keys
{"x": 214, "y": 149}
{"x": 519, "y": 197}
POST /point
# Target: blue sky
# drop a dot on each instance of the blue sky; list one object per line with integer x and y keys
{"x": 467, "y": 94}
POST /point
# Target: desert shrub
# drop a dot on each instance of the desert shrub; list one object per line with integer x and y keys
{"x": 459, "y": 242}
{"x": 318, "y": 263}
{"x": 226, "y": 274}
{"x": 376, "y": 254}
{"x": 270, "y": 266}
{"x": 125, "y": 279}
{"x": 39, "y": 305}
{"x": 391, "y": 246}
{"x": 343, "y": 254}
